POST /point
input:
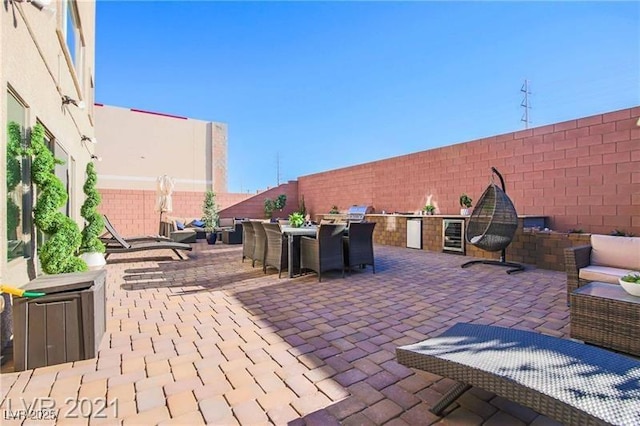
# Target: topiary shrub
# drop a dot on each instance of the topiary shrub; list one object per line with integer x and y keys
{"x": 57, "y": 254}
{"x": 94, "y": 224}
{"x": 14, "y": 176}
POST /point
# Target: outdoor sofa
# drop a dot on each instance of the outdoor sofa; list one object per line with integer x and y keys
{"x": 606, "y": 259}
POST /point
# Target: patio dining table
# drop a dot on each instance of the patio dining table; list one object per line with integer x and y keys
{"x": 293, "y": 236}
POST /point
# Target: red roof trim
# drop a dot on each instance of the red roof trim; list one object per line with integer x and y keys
{"x": 159, "y": 113}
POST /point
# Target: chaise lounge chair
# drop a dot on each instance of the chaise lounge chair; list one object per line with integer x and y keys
{"x": 109, "y": 237}
{"x": 118, "y": 244}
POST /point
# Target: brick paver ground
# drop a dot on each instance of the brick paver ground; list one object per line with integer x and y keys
{"x": 213, "y": 340}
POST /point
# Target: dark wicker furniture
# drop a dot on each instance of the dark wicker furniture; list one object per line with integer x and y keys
{"x": 570, "y": 382}
{"x": 248, "y": 240}
{"x": 493, "y": 224}
{"x": 260, "y": 238}
{"x": 574, "y": 259}
{"x": 325, "y": 252}
{"x": 119, "y": 244}
{"x": 606, "y": 315}
{"x": 358, "y": 245}
{"x": 277, "y": 253}
{"x": 233, "y": 236}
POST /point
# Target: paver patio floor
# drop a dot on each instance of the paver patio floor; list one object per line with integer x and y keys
{"x": 213, "y": 340}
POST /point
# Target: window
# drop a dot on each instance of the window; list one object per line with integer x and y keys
{"x": 18, "y": 206}
{"x": 73, "y": 38}
{"x": 61, "y": 170}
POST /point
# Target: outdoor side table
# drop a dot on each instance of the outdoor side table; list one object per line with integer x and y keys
{"x": 605, "y": 315}
{"x": 67, "y": 324}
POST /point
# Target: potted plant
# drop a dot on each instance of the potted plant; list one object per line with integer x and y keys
{"x": 280, "y": 202}
{"x": 334, "y": 210}
{"x": 57, "y": 254}
{"x": 429, "y": 209}
{"x": 91, "y": 248}
{"x": 296, "y": 219}
{"x": 268, "y": 208}
{"x": 465, "y": 203}
{"x": 210, "y": 216}
{"x": 631, "y": 283}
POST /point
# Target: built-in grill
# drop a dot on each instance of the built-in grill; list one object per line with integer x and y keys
{"x": 356, "y": 213}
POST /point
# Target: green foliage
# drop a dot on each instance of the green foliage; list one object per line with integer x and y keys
{"x": 429, "y": 208}
{"x": 631, "y": 278}
{"x": 296, "y": 219}
{"x": 334, "y": 210}
{"x": 302, "y": 208}
{"x": 280, "y": 202}
{"x": 57, "y": 253}
{"x": 268, "y": 207}
{"x": 94, "y": 224}
{"x": 575, "y": 231}
{"x": 210, "y": 211}
{"x": 14, "y": 176}
{"x": 465, "y": 201}
{"x": 621, "y": 233}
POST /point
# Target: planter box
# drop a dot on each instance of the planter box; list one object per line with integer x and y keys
{"x": 65, "y": 325}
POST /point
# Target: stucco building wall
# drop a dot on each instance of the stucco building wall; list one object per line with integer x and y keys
{"x": 137, "y": 147}
{"x": 37, "y": 68}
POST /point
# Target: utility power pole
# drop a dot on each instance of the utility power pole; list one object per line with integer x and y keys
{"x": 525, "y": 103}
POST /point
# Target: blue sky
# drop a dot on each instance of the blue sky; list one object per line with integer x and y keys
{"x": 325, "y": 85}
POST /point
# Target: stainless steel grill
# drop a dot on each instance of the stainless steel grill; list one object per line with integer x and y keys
{"x": 356, "y": 213}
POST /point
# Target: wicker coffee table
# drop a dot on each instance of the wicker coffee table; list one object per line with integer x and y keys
{"x": 605, "y": 315}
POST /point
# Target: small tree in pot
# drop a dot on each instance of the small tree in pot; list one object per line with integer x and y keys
{"x": 210, "y": 216}
{"x": 465, "y": 203}
{"x": 92, "y": 248}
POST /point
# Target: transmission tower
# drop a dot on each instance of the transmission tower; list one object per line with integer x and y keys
{"x": 525, "y": 103}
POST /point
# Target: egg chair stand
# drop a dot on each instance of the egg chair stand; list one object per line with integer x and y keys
{"x": 493, "y": 224}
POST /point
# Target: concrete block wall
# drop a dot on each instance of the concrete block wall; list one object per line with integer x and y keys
{"x": 582, "y": 173}
{"x": 133, "y": 212}
{"x": 253, "y": 207}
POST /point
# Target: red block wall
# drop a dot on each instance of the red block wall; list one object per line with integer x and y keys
{"x": 582, "y": 173}
{"x": 132, "y": 212}
{"x": 254, "y": 207}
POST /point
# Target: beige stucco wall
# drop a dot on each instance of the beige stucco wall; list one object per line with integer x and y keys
{"x": 35, "y": 63}
{"x": 137, "y": 147}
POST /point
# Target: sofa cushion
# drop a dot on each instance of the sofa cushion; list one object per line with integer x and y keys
{"x": 226, "y": 222}
{"x": 602, "y": 273}
{"x": 617, "y": 252}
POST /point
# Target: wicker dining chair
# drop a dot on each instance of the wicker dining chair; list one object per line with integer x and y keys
{"x": 358, "y": 245}
{"x": 248, "y": 240}
{"x": 260, "y": 242}
{"x": 277, "y": 250}
{"x": 325, "y": 252}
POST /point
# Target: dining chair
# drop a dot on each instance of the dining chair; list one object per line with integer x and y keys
{"x": 248, "y": 240}
{"x": 260, "y": 242}
{"x": 325, "y": 252}
{"x": 358, "y": 245}
{"x": 277, "y": 249}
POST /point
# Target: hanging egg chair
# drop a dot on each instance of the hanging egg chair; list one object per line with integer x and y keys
{"x": 493, "y": 224}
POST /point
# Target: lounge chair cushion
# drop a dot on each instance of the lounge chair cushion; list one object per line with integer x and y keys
{"x": 616, "y": 252}
{"x": 605, "y": 274}
{"x": 179, "y": 225}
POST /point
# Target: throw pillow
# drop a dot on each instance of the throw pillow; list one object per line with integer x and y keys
{"x": 179, "y": 225}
